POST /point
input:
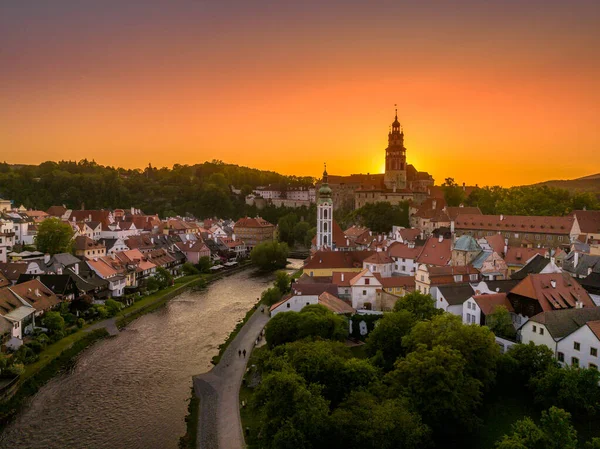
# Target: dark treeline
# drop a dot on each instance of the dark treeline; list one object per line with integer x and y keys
{"x": 522, "y": 200}
{"x": 202, "y": 190}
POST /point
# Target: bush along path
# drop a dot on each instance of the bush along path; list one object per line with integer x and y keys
{"x": 219, "y": 423}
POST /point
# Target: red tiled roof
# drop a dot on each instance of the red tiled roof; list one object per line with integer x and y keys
{"x": 488, "y": 303}
{"x": 401, "y": 251}
{"x": 435, "y": 252}
{"x": 515, "y": 223}
{"x": 36, "y": 294}
{"x": 83, "y": 242}
{"x": 553, "y": 291}
{"x": 496, "y": 242}
{"x": 454, "y": 212}
{"x": 589, "y": 221}
{"x": 378, "y": 258}
{"x": 407, "y": 282}
{"x": 595, "y": 327}
{"x": 335, "y": 304}
{"x": 410, "y": 234}
{"x": 248, "y": 222}
{"x": 337, "y": 259}
{"x": 520, "y": 256}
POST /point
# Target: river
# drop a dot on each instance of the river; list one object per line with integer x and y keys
{"x": 131, "y": 391}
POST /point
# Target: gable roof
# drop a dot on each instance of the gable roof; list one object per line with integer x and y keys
{"x": 488, "y": 303}
{"x": 589, "y": 221}
{"x": 403, "y": 251}
{"x": 337, "y": 259}
{"x": 436, "y": 252}
{"x": 561, "y": 323}
{"x": 364, "y": 273}
{"x": 378, "y": 258}
{"x": 456, "y": 294}
{"x": 516, "y": 223}
{"x": 36, "y": 294}
{"x": 335, "y": 304}
{"x": 496, "y": 242}
{"x": 455, "y": 211}
{"x": 520, "y": 256}
{"x": 534, "y": 266}
{"x": 553, "y": 291}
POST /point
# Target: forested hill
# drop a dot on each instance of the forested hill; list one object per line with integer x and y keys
{"x": 585, "y": 184}
{"x": 201, "y": 189}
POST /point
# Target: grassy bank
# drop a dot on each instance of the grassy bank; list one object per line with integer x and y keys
{"x": 250, "y": 418}
{"x": 188, "y": 441}
{"x": 57, "y": 357}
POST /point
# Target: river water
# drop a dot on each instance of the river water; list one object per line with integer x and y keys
{"x": 131, "y": 391}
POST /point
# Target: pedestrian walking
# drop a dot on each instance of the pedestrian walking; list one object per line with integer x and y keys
{"x": 244, "y": 352}
{"x": 239, "y": 352}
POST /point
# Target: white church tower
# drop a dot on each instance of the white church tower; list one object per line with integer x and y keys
{"x": 324, "y": 215}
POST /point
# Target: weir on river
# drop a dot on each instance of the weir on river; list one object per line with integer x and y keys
{"x": 131, "y": 390}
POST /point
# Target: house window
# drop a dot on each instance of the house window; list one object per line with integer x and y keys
{"x": 574, "y": 362}
{"x": 307, "y": 303}
{"x": 288, "y": 305}
{"x": 548, "y": 237}
{"x": 560, "y": 238}
{"x": 364, "y": 293}
{"x": 541, "y": 331}
{"x": 537, "y": 236}
{"x": 367, "y": 281}
{"x": 592, "y": 366}
{"x": 507, "y": 234}
{"x": 576, "y": 346}
{"x": 473, "y": 319}
{"x": 422, "y": 278}
{"x": 594, "y": 352}
{"x": 468, "y": 317}
{"x": 468, "y": 305}
{"x": 473, "y": 277}
{"x": 458, "y": 278}
{"x": 534, "y": 329}
{"x": 561, "y": 357}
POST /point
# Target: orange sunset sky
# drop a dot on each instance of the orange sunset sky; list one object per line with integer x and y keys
{"x": 488, "y": 92}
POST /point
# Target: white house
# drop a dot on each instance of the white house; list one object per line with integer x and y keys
{"x": 364, "y": 288}
{"x": 478, "y": 307}
{"x": 405, "y": 257}
{"x": 450, "y": 298}
{"x": 379, "y": 262}
{"x": 572, "y": 334}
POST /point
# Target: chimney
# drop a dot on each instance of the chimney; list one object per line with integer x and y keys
{"x": 452, "y": 226}
{"x": 132, "y": 211}
{"x": 76, "y": 268}
{"x": 464, "y": 187}
{"x": 497, "y": 289}
{"x": 441, "y": 238}
{"x": 342, "y": 277}
{"x": 578, "y": 304}
{"x": 576, "y": 259}
{"x": 37, "y": 292}
{"x": 433, "y": 203}
{"x": 59, "y": 270}
{"x": 553, "y": 283}
{"x": 501, "y": 217}
{"x": 46, "y": 258}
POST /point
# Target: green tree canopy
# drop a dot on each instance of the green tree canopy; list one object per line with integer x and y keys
{"x": 53, "y": 321}
{"x": 500, "y": 323}
{"x": 438, "y": 385}
{"x": 420, "y": 305}
{"x": 385, "y": 341}
{"x": 476, "y": 343}
{"x": 269, "y": 256}
{"x": 453, "y": 193}
{"x": 381, "y": 216}
{"x": 283, "y": 281}
{"x": 54, "y": 236}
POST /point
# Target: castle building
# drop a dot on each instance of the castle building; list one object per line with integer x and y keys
{"x": 400, "y": 182}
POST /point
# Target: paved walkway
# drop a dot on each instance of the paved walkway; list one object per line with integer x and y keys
{"x": 110, "y": 325}
{"x": 219, "y": 423}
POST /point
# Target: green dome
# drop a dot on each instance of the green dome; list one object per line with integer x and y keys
{"x": 325, "y": 190}
{"x": 466, "y": 243}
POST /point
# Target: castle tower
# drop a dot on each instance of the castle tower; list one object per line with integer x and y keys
{"x": 324, "y": 215}
{"x": 395, "y": 158}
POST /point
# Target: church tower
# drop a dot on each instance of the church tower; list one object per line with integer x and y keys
{"x": 395, "y": 158}
{"x": 324, "y": 215}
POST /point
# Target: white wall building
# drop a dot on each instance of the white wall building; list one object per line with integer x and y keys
{"x": 364, "y": 288}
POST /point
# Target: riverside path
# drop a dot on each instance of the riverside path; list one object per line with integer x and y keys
{"x": 219, "y": 423}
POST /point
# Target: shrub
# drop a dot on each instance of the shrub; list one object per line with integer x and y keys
{"x": 80, "y": 323}
{"x": 113, "y": 307}
{"x": 16, "y": 369}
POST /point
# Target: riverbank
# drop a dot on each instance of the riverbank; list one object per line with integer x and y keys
{"x": 57, "y": 355}
{"x": 32, "y": 380}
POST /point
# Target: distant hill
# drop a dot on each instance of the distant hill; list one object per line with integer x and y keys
{"x": 589, "y": 183}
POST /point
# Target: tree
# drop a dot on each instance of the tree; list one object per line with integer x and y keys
{"x": 381, "y": 216}
{"x": 438, "y": 385}
{"x": 500, "y": 323}
{"x": 477, "y": 344}
{"x": 286, "y": 226}
{"x": 271, "y": 295}
{"x": 310, "y": 235}
{"x": 573, "y": 389}
{"x": 293, "y": 413}
{"x": 204, "y": 264}
{"x": 189, "y": 269}
{"x": 269, "y": 256}
{"x": 364, "y": 422}
{"x": 554, "y": 432}
{"x": 420, "y": 305}
{"x": 529, "y": 361}
{"x": 152, "y": 283}
{"x": 54, "y": 236}
{"x": 385, "y": 341}
{"x": 301, "y": 231}
{"x": 163, "y": 277}
{"x": 283, "y": 282}
{"x": 54, "y": 322}
{"x": 453, "y": 193}
{"x": 113, "y": 307}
